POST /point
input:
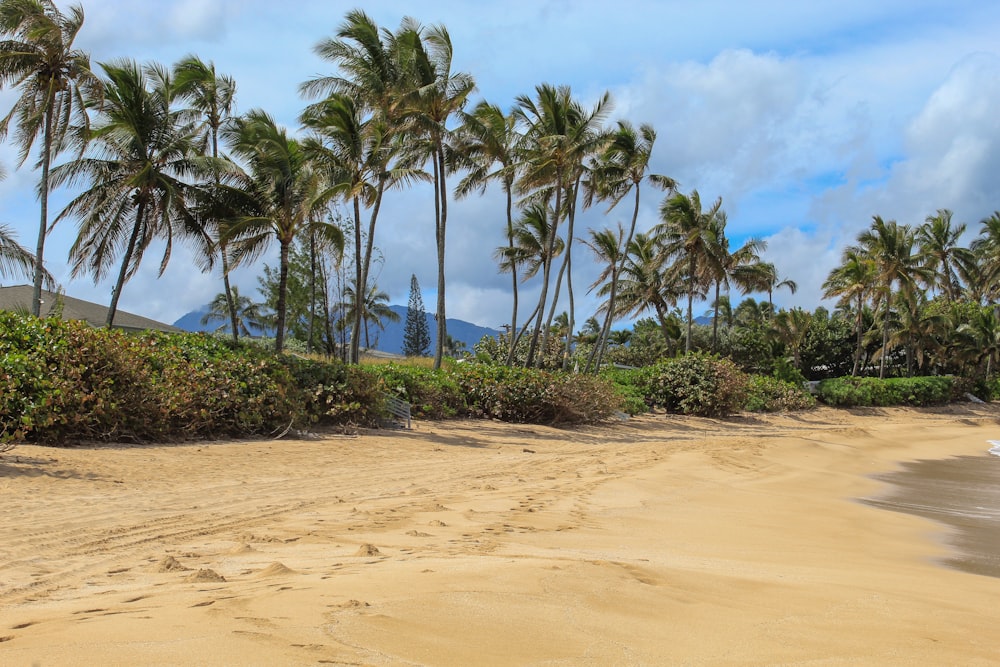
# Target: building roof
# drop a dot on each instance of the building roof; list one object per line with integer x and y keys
{"x": 19, "y": 298}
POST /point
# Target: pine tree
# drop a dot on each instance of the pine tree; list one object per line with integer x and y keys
{"x": 416, "y": 335}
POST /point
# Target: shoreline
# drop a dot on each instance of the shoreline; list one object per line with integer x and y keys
{"x": 698, "y": 541}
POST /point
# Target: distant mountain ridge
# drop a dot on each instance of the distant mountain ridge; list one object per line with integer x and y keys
{"x": 389, "y": 340}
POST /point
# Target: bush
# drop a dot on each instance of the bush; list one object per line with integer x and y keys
{"x": 431, "y": 394}
{"x": 695, "y": 384}
{"x": 872, "y": 392}
{"x": 524, "y": 395}
{"x": 769, "y": 394}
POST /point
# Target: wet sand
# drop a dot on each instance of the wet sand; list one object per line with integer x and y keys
{"x": 661, "y": 540}
{"x": 963, "y": 493}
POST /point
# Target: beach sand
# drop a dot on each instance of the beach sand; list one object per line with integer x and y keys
{"x": 660, "y": 540}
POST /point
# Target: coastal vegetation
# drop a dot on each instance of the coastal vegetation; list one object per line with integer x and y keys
{"x": 157, "y": 155}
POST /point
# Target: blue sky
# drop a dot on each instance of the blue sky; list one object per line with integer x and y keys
{"x": 806, "y": 118}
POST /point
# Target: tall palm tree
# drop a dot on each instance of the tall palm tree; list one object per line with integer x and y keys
{"x": 374, "y": 74}
{"x": 622, "y": 167}
{"x": 438, "y": 94}
{"x": 689, "y": 234}
{"x": 560, "y": 134}
{"x": 937, "y": 240}
{"x": 487, "y": 148}
{"x": 891, "y": 246}
{"x": 919, "y": 331}
{"x": 768, "y": 280}
{"x": 982, "y": 334}
{"x": 137, "y": 167}
{"x": 285, "y": 198}
{"x": 38, "y": 58}
{"x": 853, "y": 281}
{"x": 211, "y": 97}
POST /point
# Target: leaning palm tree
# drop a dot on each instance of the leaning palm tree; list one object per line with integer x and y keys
{"x": 646, "y": 282}
{"x": 608, "y": 247}
{"x": 38, "y": 58}
{"x": 137, "y": 169}
{"x": 487, "y": 147}
{"x": 284, "y": 197}
{"x": 621, "y": 168}
{"x": 688, "y": 234}
{"x": 986, "y": 248}
{"x": 211, "y": 97}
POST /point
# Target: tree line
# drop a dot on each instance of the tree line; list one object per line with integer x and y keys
{"x": 159, "y": 154}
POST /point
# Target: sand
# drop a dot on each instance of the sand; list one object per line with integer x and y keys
{"x": 661, "y": 540}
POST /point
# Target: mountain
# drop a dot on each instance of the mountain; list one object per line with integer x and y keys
{"x": 390, "y": 340}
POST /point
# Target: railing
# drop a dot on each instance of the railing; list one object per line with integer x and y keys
{"x": 399, "y": 409}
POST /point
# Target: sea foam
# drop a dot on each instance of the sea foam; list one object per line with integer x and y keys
{"x": 995, "y": 447}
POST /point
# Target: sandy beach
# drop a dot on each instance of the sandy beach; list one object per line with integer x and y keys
{"x": 660, "y": 540}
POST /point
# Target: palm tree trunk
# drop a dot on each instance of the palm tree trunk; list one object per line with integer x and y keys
{"x": 129, "y": 249}
{"x": 546, "y": 271}
{"x": 230, "y": 302}
{"x": 280, "y": 307}
{"x": 715, "y": 316}
{"x": 362, "y": 287}
{"x": 43, "y": 195}
{"x": 857, "y": 351}
{"x": 513, "y": 271}
{"x": 312, "y": 288}
{"x": 690, "y": 318}
{"x": 885, "y": 338}
{"x": 441, "y": 206}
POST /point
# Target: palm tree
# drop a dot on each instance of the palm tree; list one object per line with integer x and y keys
{"x": 986, "y": 248}
{"x": 38, "y": 58}
{"x": 689, "y": 234}
{"x": 742, "y": 267}
{"x": 211, "y": 97}
{"x": 919, "y": 331}
{"x": 560, "y": 134}
{"x": 374, "y": 308}
{"x": 608, "y": 247}
{"x": 489, "y": 138}
{"x": 853, "y": 280}
{"x": 438, "y": 94}
{"x": 790, "y": 327}
{"x": 891, "y": 247}
{"x": 622, "y": 167}
{"x": 982, "y": 334}
{"x": 248, "y": 313}
{"x": 15, "y": 260}
{"x": 137, "y": 168}
{"x": 646, "y": 282}
{"x": 374, "y": 75}
{"x": 285, "y": 197}
{"x": 938, "y": 243}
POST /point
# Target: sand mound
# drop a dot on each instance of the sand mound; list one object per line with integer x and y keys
{"x": 170, "y": 564}
{"x": 242, "y": 549}
{"x": 368, "y": 550}
{"x": 275, "y": 569}
{"x": 205, "y": 575}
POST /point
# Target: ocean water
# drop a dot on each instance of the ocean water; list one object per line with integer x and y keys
{"x": 963, "y": 493}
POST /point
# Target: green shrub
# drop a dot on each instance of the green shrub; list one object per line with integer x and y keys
{"x": 524, "y": 395}
{"x": 431, "y": 394}
{"x": 769, "y": 394}
{"x": 869, "y": 392}
{"x": 695, "y": 384}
